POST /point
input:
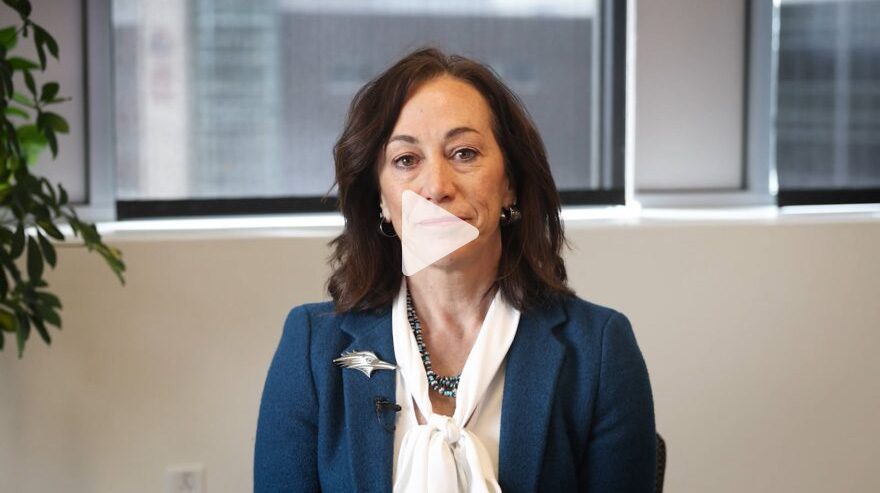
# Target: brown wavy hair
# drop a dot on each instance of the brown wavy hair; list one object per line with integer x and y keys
{"x": 367, "y": 265}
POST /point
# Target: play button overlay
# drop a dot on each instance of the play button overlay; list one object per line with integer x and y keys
{"x": 430, "y": 233}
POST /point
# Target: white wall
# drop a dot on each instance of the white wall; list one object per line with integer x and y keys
{"x": 760, "y": 341}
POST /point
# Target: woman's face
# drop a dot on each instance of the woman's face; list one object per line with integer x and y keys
{"x": 443, "y": 148}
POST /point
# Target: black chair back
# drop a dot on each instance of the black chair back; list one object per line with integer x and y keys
{"x": 661, "y": 462}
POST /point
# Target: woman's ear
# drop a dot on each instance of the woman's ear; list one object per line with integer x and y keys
{"x": 384, "y": 209}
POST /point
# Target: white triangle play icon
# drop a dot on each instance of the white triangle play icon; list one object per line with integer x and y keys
{"x": 430, "y": 233}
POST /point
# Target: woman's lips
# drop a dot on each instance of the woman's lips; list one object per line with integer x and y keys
{"x": 440, "y": 221}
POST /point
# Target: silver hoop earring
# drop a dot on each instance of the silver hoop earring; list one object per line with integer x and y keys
{"x": 510, "y": 215}
{"x": 382, "y": 223}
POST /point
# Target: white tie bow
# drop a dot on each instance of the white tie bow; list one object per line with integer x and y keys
{"x": 442, "y": 457}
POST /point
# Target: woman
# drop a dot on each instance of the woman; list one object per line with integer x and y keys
{"x": 482, "y": 371}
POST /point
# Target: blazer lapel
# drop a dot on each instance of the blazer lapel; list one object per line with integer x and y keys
{"x": 533, "y": 364}
{"x": 371, "y": 440}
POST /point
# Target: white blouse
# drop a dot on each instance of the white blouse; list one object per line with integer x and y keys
{"x": 439, "y": 453}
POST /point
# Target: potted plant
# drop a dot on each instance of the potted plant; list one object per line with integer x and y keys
{"x": 32, "y": 207}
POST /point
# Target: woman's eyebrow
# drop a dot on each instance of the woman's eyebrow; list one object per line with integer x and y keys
{"x": 450, "y": 134}
{"x": 459, "y": 130}
{"x": 405, "y": 138}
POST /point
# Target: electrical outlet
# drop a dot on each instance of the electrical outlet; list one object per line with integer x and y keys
{"x": 185, "y": 479}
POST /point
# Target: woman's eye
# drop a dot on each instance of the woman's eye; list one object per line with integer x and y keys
{"x": 405, "y": 161}
{"x": 465, "y": 154}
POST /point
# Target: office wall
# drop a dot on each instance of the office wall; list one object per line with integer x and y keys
{"x": 760, "y": 341}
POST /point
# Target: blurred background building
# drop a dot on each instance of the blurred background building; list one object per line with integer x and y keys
{"x": 246, "y": 98}
{"x": 828, "y": 110}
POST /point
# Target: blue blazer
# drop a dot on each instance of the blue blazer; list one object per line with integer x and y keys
{"x": 577, "y": 412}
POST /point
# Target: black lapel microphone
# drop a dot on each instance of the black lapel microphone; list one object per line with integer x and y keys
{"x": 383, "y": 405}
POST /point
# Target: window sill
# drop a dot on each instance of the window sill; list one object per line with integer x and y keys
{"x": 328, "y": 225}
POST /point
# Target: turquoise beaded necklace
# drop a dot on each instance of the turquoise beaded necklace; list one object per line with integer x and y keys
{"x": 447, "y": 386}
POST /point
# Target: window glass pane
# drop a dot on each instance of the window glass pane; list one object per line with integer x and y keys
{"x": 69, "y": 168}
{"x": 245, "y": 98}
{"x": 828, "y": 95}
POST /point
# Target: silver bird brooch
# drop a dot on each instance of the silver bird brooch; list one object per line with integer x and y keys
{"x": 364, "y": 361}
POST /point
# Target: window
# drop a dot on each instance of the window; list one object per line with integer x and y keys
{"x": 689, "y": 96}
{"x": 827, "y": 122}
{"x": 702, "y": 113}
{"x": 233, "y": 106}
{"x": 70, "y": 165}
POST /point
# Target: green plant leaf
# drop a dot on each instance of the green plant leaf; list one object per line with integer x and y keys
{"x": 17, "y": 246}
{"x": 62, "y": 195}
{"x": 23, "y": 7}
{"x": 47, "y": 40}
{"x": 23, "y": 100}
{"x": 8, "y": 322}
{"x": 34, "y": 259}
{"x": 14, "y": 111}
{"x": 49, "y": 315}
{"x": 49, "y": 91}
{"x": 29, "y": 133}
{"x": 50, "y": 190}
{"x": 20, "y": 339}
{"x": 29, "y": 82}
{"x": 6, "y": 77}
{"x": 19, "y": 63}
{"x": 113, "y": 257}
{"x": 13, "y": 270}
{"x": 53, "y": 143}
{"x": 48, "y": 299}
{"x": 22, "y": 331}
{"x": 40, "y": 45}
{"x": 41, "y": 329}
{"x": 8, "y": 37}
{"x": 54, "y": 121}
{"x": 51, "y": 230}
{"x": 40, "y": 211}
{"x": 32, "y": 142}
{"x": 88, "y": 232}
{"x": 4, "y": 284}
{"x": 48, "y": 250}
{"x": 12, "y": 141}
{"x": 7, "y": 261}
{"x": 2, "y": 340}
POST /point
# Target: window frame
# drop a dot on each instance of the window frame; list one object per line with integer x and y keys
{"x": 103, "y": 204}
{"x": 759, "y": 186}
{"x": 100, "y": 169}
{"x": 757, "y": 164}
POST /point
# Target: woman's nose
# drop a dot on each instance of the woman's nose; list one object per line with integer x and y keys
{"x": 438, "y": 181}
